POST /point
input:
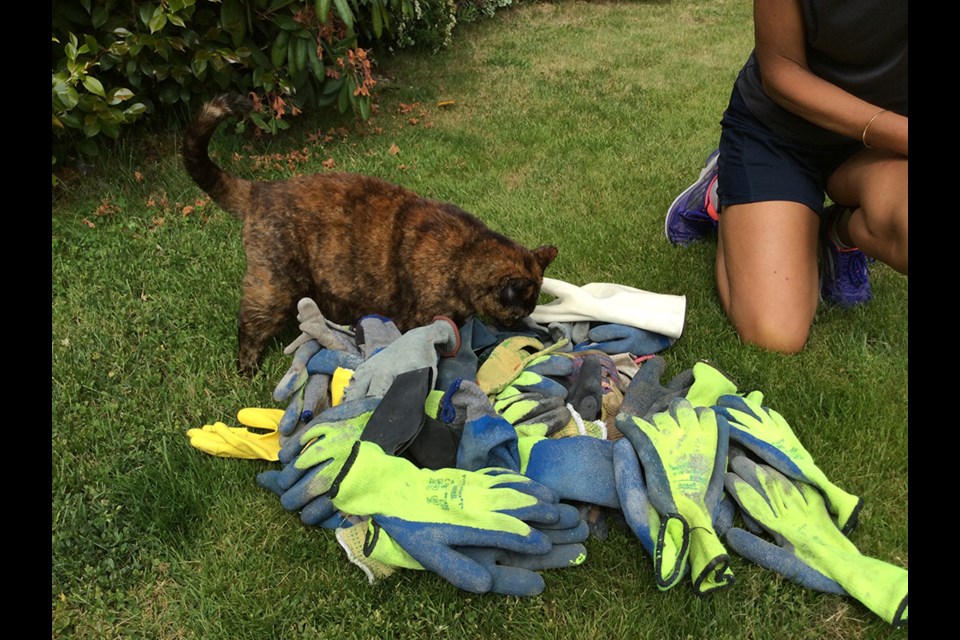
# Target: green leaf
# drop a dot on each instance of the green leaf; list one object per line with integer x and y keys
{"x": 158, "y": 21}
{"x": 67, "y": 95}
{"x": 343, "y": 98}
{"x": 118, "y": 95}
{"x": 332, "y": 86}
{"x": 91, "y": 126}
{"x": 91, "y": 44}
{"x": 135, "y": 109}
{"x": 287, "y": 23}
{"x": 365, "y": 108}
{"x": 94, "y": 86}
{"x": 145, "y": 11}
{"x": 345, "y": 13}
{"x": 377, "y": 20}
{"x": 323, "y": 11}
{"x": 99, "y": 16}
{"x": 316, "y": 64}
{"x": 233, "y": 18}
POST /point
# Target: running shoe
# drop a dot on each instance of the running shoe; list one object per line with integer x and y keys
{"x": 844, "y": 274}
{"x": 693, "y": 214}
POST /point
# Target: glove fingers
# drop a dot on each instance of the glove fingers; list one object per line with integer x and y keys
{"x": 320, "y": 512}
{"x": 310, "y": 486}
{"x": 632, "y": 492}
{"x": 270, "y": 480}
{"x": 260, "y": 418}
{"x": 434, "y": 554}
{"x": 709, "y": 562}
{"x": 508, "y": 578}
{"x": 780, "y": 560}
{"x": 296, "y": 375}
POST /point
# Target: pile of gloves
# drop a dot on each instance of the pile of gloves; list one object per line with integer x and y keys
{"x": 485, "y": 456}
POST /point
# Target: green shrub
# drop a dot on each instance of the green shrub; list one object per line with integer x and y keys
{"x": 429, "y": 28}
{"x": 115, "y": 62}
{"x": 471, "y": 10}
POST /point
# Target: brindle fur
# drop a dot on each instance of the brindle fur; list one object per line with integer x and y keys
{"x": 358, "y": 245}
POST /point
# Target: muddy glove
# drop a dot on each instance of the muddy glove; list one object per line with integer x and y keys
{"x": 374, "y": 333}
{"x": 768, "y": 435}
{"x": 371, "y": 548}
{"x": 669, "y": 553}
{"x": 683, "y": 452}
{"x": 296, "y": 376}
{"x": 701, "y": 385}
{"x": 808, "y": 547}
{"x": 315, "y": 327}
{"x": 430, "y": 512}
{"x": 522, "y": 362}
{"x": 533, "y": 414}
{"x": 392, "y": 422}
{"x": 475, "y": 337}
{"x": 416, "y": 349}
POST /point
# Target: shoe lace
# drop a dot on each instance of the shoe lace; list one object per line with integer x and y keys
{"x": 852, "y": 270}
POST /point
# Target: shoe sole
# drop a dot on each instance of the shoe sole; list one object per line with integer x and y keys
{"x": 708, "y": 167}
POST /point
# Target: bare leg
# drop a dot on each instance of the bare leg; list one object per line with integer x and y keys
{"x": 874, "y": 183}
{"x": 767, "y": 272}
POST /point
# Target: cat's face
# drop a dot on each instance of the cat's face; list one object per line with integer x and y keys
{"x": 515, "y": 295}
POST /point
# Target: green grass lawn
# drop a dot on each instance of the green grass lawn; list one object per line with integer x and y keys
{"x": 571, "y": 123}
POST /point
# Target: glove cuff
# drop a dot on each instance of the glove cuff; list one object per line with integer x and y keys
{"x": 451, "y": 346}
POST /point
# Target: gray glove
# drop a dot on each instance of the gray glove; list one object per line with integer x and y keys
{"x": 416, "y": 349}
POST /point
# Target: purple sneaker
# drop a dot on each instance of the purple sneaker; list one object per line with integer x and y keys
{"x": 693, "y": 214}
{"x": 844, "y": 275}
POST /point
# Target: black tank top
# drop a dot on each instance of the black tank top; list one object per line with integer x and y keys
{"x": 858, "y": 45}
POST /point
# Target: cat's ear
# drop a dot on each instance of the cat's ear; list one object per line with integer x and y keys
{"x": 545, "y": 255}
{"x": 515, "y": 291}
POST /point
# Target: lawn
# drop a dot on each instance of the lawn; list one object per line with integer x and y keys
{"x": 571, "y": 123}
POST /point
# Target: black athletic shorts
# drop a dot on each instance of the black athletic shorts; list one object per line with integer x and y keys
{"x": 757, "y": 165}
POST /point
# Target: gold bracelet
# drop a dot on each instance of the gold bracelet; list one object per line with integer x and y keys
{"x": 863, "y": 136}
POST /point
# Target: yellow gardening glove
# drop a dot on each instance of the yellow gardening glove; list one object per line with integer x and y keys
{"x": 238, "y": 442}
{"x": 338, "y": 384}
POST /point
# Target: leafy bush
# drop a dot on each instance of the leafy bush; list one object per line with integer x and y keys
{"x": 115, "y": 62}
{"x": 429, "y": 28}
{"x": 472, "y": 10}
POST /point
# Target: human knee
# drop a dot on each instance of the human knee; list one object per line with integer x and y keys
{"x": 774, "y": 334}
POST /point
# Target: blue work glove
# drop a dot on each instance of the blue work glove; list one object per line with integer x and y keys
{"x": 369, "y": 546}
{"x": 614, "y": 338}
{"x": 701, "y": 385}
{"x": 474, "y": 338}
{"x": 429, "y": 512}
{"x": 578, "y": 468}
{"x": 767, "y": 434}
{"x": 808, "y": 548}
{"x": 669, "y": 553}
{"x": 684, "y": 456}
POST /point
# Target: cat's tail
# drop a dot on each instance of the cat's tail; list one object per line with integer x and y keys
{"x": 228, "y": 191}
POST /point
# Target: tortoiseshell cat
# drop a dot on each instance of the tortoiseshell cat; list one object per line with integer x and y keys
{"x": 358, "y": 245}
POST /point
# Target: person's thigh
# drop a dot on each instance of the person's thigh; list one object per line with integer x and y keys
{"x": 874, "y": 183}
{"x": 767, "y": 272}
